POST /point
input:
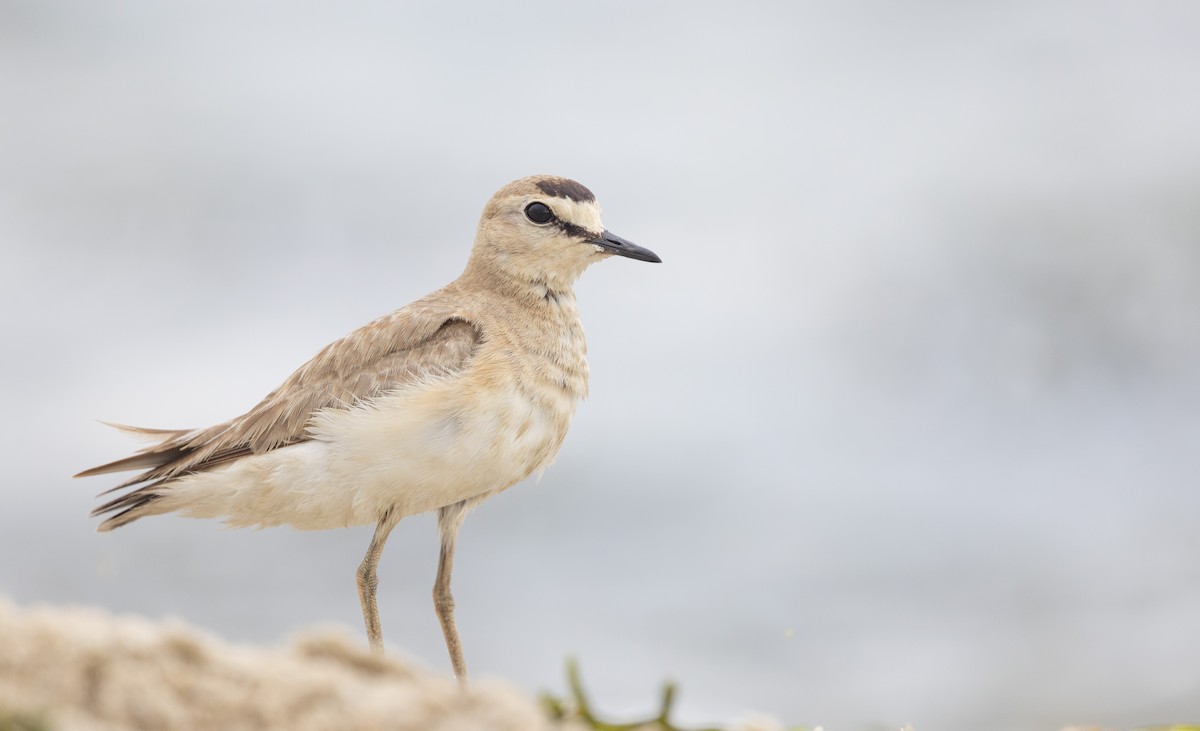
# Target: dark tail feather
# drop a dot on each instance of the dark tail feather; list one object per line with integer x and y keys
{"x": 132, "y": 507}
{"x": 167, "y": 449}
{"x": 140, "y": 461}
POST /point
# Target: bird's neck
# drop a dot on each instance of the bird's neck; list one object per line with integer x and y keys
{"x": 529, "y": 287}
{"x": 537, "y": 316}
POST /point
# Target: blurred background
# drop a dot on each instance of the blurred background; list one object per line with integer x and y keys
{"x": 903, "y": 430}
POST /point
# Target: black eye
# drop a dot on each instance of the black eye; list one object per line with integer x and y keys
{"x": 539, "y": 213}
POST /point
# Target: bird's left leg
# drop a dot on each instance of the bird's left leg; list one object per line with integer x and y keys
{"x": 450, "y": 518}
{"x": 368, "y": 580}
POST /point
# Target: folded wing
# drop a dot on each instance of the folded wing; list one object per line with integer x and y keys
{"x": 399, "y": 350}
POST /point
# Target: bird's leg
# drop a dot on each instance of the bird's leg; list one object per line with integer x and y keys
{"x": 449, "y": 520}
{"x": 368, "y": 581}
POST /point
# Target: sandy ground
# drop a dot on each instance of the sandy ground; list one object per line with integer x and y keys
{"x": 84, "y": 669}
{"x": 81, "y": 669}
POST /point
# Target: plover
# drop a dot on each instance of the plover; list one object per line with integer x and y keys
{"x": 435, "y": 406}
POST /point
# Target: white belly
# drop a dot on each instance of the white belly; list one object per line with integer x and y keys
{"x": 415, "y": 451}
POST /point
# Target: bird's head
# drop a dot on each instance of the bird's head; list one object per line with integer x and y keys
{"x": 545, "y": 228}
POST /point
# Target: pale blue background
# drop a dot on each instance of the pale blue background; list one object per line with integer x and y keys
{"x": 904, "y": 430}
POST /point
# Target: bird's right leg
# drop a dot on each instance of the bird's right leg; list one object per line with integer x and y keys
{"x": 450, "y": 519}
{"x": 368, "y": 581}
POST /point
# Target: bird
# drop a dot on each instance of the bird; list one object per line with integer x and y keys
{"x": 431, "y": 408}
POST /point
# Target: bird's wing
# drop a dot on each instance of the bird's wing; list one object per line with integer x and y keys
{"x": 419, "y": 342}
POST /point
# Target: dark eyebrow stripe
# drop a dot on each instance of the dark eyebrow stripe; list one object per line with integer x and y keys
{"x": 564, "y": 188}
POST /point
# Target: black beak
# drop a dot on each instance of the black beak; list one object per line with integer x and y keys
{"x": 609, "y": 241}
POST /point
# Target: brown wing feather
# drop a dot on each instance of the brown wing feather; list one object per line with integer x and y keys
{"x": 407, "y": 346}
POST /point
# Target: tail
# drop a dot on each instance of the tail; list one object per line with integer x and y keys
{"x": 157, "y": 455}
{"x": 132, "y": 506}
{"x": 170, "y": 447}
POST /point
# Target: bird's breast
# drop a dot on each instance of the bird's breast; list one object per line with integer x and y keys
{"x": 542, "y": 374}
{"x": 536, "y": 361}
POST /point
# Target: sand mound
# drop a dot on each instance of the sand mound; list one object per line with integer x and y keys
{"x": 86, "y": 670}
